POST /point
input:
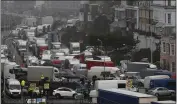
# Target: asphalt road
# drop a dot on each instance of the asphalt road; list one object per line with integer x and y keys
{"x": 51, "y": 100}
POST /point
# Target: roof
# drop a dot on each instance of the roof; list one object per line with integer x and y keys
{"x": 13, "y": 81}
{"x": 56, "y": 43}
{"x": 131, "y": 93}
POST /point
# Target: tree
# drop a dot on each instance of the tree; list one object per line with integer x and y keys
{"x": 115, "y": 44}
{"x": 101, "y": 25}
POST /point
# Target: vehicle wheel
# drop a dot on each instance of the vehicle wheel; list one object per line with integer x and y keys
{"x": 74, "y": 96}
{"x": 157, "y": 95}
{"x": 58, "y": 96}
{"x": 172, "y": 94}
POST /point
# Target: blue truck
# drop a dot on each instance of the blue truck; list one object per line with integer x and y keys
{"x": 167, "y": 83}
{"x": 164, "y": 73}
{"x": 164, "y": 102}
{"x": 122, "y": 96}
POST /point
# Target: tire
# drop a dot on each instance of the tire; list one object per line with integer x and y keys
{"x": 74, "y": 96}
{"x": 172, "y": 94}
{"x": 157, "y": 95}
{"x": 58, "y": 96}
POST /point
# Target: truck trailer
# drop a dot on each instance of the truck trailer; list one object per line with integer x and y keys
{"x": 120, "y": 96}
{"x": 35, "y": 72}
{"x": 164, "y": 102}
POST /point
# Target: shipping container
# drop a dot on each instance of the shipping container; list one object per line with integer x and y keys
{"x": 120, "y": 96}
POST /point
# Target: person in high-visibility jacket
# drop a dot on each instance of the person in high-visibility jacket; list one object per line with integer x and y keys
{"x": 30, "y": 91}
{"x": 23, "y": 83}
{"x": 42, "y": 77}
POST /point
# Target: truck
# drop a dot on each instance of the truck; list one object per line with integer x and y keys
{"x": 40, "y": 46}
{"x": 106, "y": 84}
{"x": 170, "y": 74}
{"x": 56, "y": 45}
{"x": 121, "y": 96}
{"x": 149, "y": 78}
{"x": 164, "y": 102}
{"x": 74, "y": 47}
{"x": 35, "y": 72}
{"x": 90, "y": 63}
{"x": 83, "y": 56}
{"x": 145, "y": 69}
{"x": 167, "y": 83}
{"x": 98, "y": 70}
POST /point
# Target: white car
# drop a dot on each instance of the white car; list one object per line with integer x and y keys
{"x": 64, "y": 92}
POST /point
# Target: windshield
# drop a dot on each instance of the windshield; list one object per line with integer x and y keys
{"x": 13, "y": 87}
{"x": 76, "y": 49}
{"x": 23, "y": 47}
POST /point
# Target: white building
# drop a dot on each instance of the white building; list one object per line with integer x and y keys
{"x": 164, "y": 12}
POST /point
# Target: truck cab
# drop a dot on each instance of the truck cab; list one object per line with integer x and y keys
{"x": 13, "y": 88}
{"x": 74, "y": 47}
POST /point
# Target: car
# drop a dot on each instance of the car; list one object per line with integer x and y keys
{"x": 65, "y": 92}
{"x": 161, "y": 91}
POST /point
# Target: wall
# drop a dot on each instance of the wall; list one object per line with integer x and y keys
{"x": 145, "y": 42}
{"x": 163, "y": 3}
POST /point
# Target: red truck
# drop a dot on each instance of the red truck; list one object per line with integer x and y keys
{"x": 83, "y": 56}
{"x": 41, "y": 48}
{"x": 91, "y": 63}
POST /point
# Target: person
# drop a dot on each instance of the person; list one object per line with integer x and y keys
{"x": 42, "y": 77}
{"x": 23, "y": 83}
{"x": 30, "y": 91}
{"x": 94, "y": 79}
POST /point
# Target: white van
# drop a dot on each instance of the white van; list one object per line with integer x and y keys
{"x": 80, "y": 69}
{"x": 97, "y": 70}
{"x": 13, "y": 88}
{"x": 149, "y": 78}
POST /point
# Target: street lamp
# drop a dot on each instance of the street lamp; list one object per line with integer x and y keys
{"x": 154, "y": 23}
{"x": 104, "y": 55}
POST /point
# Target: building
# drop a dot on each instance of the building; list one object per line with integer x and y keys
{"x": 63, "y": 6}
{"x": 164, "y": 14}
{"x": 126, "y": 16}
{"x": 31, "y": 21}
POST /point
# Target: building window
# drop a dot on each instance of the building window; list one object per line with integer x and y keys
{"x": 173, "y": 66}
{"x": 169, "y": 18}
{"x": 169, "y": 3}
{"x": 168, "y": 48}
{"x": 172, "y": 49}
{"x": 163, "y": 47}
{"x": 164, "y": 64}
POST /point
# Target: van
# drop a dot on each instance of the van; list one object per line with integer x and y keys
{"x": 13, "y": 87}
{"x": 80, "y": 69}
{"x": 149, "y": 78}
{"x": 99, "y": 70}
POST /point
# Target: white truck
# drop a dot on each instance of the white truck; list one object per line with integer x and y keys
{"x": 106, "y": 84}
{"x": 22, "y": 47}
{"x": 74, "y": 47}
{"x": 6, "y": 70}
{"x": 13, "y": 87}
{"x": 80, "y": 69}
{"x": 35, "y": 72}
{"x": 97, "y": 71}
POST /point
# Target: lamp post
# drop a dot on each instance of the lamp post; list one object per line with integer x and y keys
{"x": 153, "y": 23}
{"x": 104, "y": 55}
